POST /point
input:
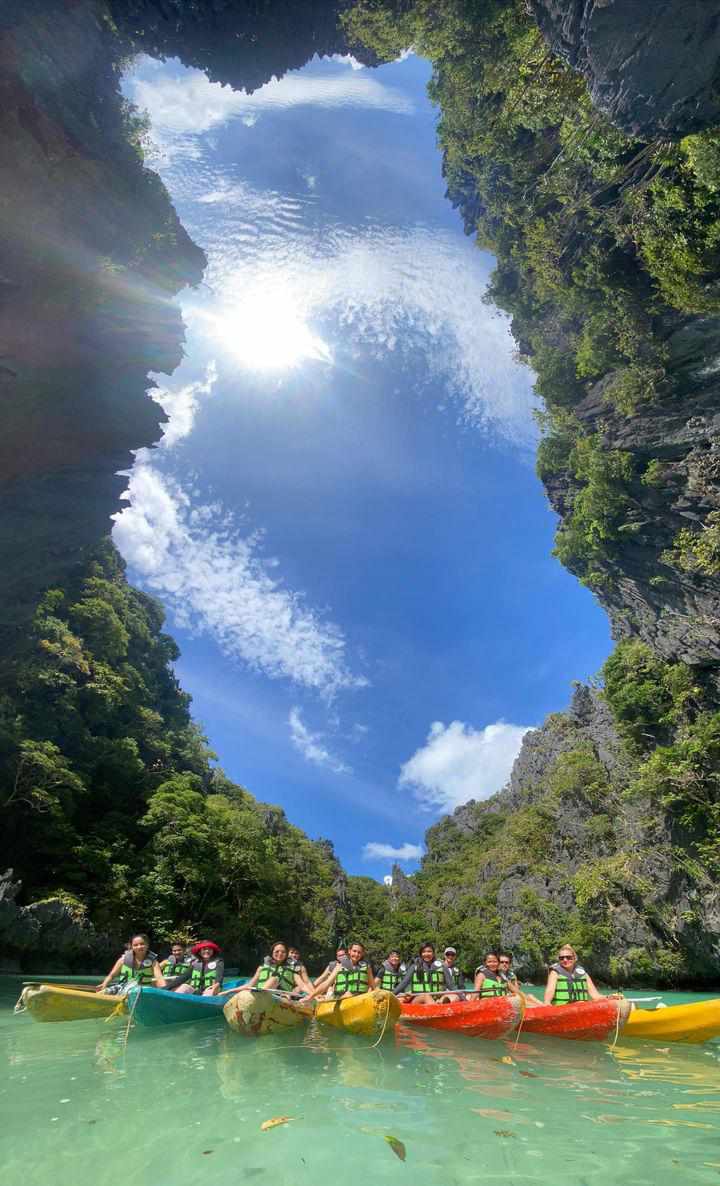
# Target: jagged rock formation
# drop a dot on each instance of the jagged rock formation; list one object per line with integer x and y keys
{"x": 46, "y": 933}
{"x": 562, "y": 851}
{"x": 652, "y": 68}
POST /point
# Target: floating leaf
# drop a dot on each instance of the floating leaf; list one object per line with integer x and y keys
{"x": 206, "y": 1151}
{"x": 508, "y": 1060}
{"x": 504, "y": 1132}
{"x": 397, "y": 1147}
{"x": 266, "y": 1124}
{"x": 529, "y": 1074}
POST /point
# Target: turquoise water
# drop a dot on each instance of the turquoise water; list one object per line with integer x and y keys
{"x": 184, "y": 1104}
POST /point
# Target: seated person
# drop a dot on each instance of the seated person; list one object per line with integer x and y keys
{"x": 567, "y": 982}
{"x": 276, "y": 971}
{"x": 139, "y": 965}
{"x": 206, "y": 970}
{"x": 350, "y": 978}
{"x": 427, "y": 979}
{"x": 177, "y": 968}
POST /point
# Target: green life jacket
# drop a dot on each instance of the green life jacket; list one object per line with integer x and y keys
{"x": 352, "y": 978}
{"x": 203, "y": 975}
{"x": 389, "y": 978}
{"x": 426, "y": 979}
{"x": 571, "y": 986}
{"x": 455, "y": 975}
{"x": 176, "y": 967}
{"x": 492, "y": 985}
{"x": 143, "y": 974}
{"x": 285, "y": 975}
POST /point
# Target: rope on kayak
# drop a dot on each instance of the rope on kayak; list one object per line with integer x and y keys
{"x": 617, "y": 1025}
{"x": 131, "y": 1012}
{"x": 386, "y": 1002}
{"x": 523, "y": 1011}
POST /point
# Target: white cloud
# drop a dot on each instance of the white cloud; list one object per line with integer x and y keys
{"x": 458, "y": 763}
{"x": 181, "y": 406}
{"x": 386, "y": 852}
{"x": 311, "y": 745}
{"x": 215, "y": 580}
{"x": 191, "y": 104}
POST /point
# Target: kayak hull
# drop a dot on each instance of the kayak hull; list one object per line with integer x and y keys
{"x": 699, "y": 1022}
{"x": 51, "y": 1002}
{"x": 583, "y": 1021}
{"x": 160, "y": 1006}
{"x": 491, "y": 1018}
{"x": 370, "y": 1013}
{"x": 255, "y": 1013}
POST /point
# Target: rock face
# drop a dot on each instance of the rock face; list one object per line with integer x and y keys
{"x": 652, "y": 68}
{"x": 558, "y": 853}
{"x": 46, "y": 935}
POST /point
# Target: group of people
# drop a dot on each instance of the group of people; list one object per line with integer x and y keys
{"x": 422, "y": 979}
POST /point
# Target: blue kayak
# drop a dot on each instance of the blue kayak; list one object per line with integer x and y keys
{"x": 160, "y": 1006}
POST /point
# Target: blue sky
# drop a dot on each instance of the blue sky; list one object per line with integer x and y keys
{"x": 342, "y": 517}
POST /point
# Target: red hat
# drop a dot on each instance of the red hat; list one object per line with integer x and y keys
{"x": 204, "y": 943}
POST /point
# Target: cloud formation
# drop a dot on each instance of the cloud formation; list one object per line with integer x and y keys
{"x": 386, "y": 852}
{"x": 190, "y": 104}
{"x": 312, "y": 746}
{"x": 216, "y": 581}
{"x": 181, "y": 406}
{"x": 458, "y": 763}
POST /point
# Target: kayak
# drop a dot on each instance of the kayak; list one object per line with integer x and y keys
{"x": 254, "y": 1012}
{"x": 585, "y": 1021}
{"x": 494, "y": 1017}
{"x": 160, "y": 1006}
{"x": 53, "y": 1002}
{"x": 698, "y": 1022}
{"x": 369, "y": 1013}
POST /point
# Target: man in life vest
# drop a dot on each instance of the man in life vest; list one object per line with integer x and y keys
{"x": 295, "y": 961}
{"x": 177, "y": 968}
{"x": 277, "y": 972}
{"x": 206, "y": 970}
{"x": 350, "y": 978}
{"x": 456, "y": 974}
{"x": 488, "y": 982}
{"x": 568, "y": 982}
{"x": 139, "y": 965}
{"x": 427, "y": 979}
{"x": 390, "y": 972}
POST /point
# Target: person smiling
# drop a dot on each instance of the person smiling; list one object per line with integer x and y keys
{"x": 206, "y": 971}
{"x": 568, "y": 982}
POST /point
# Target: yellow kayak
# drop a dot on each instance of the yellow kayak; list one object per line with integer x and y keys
{"x": 255, "y": 1013}
{"x": 52, "y": 1002}
{"x": 677, "y": 1023}
{"x": 371, "y": 1013}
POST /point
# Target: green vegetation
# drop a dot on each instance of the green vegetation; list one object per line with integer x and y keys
{"x": 112, "y": 801}
{"x": 603, "y": 242}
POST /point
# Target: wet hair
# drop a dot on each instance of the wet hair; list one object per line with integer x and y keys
{"x": 140, "y": 935}
{"x": 393, "y": 951}
{"x": 507, "y": 955}
{"x": 356, "y": 943}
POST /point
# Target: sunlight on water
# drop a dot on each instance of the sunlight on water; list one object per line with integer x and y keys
{"x": 185, "y": 1103}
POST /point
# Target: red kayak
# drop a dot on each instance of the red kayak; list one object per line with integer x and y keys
{"x": 494, "y": 1017}
{"x": 586, "y": 1021}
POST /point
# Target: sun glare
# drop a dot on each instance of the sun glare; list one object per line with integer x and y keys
{"x": 266, "y": 332}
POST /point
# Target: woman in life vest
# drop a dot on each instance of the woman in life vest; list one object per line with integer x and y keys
{"x": 139, "y": 965}
{"x": 276, "y": 971}
{"x": 567, "y": 982}
{"x": 206, "y": 970}
{"x": 295, "y": 961}
{"x": 350, "y": 978}
{"x": 177, "y": 968}
{"x": 489, "y": 982}
{"x": 427, "y": 980}
{"x": 390, "y": 972}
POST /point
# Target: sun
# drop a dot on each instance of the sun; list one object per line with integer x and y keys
{"x": 266, "y": 331}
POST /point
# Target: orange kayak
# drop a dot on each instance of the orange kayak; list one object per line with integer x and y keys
{"x": 585, "y": 1021}
{"x": 494, "y": 1017}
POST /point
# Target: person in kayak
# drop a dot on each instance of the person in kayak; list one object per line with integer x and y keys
{"x": 568, "y": 982}
{"x": 276, "y": 971}
{"x": 350, "y": 978}
{"x": 177, "y": 968}
{"x": 390, "y": 972}
{"x": 340, "y": 954}
{"x": 295, "y": 961}
{"x": 488, "y": 982}
{"x": 206, "y": 970}
{"x": 139, "y": 965}
{"x": 450, "y": 963}
{"x": 427, "y": 979}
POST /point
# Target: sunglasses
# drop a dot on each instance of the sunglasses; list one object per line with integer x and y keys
{"x": 563, "y": 958}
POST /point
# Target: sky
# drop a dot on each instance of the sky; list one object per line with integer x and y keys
{"x": 342, "y": 517}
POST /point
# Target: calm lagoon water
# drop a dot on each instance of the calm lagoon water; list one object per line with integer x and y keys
{"x": 184, "y": 1104}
